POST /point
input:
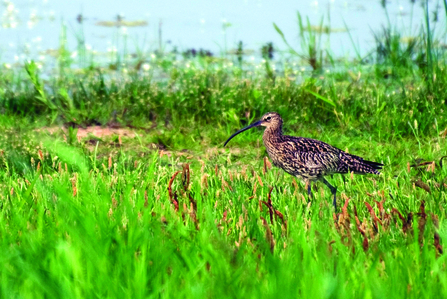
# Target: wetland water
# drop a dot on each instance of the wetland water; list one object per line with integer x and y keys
{"x": 31, "y": 29}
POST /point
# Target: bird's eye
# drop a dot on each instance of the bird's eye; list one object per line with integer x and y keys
{"x": 268, "y": 118}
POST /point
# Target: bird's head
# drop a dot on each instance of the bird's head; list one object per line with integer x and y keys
{"x": 269, "y": 120}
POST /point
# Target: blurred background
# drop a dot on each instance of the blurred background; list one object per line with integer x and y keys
{"x": 100, "y": 30}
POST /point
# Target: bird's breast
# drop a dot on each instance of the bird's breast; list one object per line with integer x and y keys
{"x": 283, "y": 155}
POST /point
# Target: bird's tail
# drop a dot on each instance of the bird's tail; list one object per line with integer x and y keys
{"x": 359, "y": 165}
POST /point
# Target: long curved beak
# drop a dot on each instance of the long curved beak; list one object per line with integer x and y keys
{"x": 255, "y": 124}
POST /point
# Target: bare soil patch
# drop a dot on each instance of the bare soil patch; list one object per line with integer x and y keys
{"x": 96, "y": 131}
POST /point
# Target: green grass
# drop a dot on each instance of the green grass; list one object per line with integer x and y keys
{"x": 104, "y": 225}
{"x": 87, "y": 220}
{"x": 197, "y": 98}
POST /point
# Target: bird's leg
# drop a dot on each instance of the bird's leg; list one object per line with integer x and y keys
{"x": 309, "y": 189}
{"x": 277, "y": 180}
{"x": 333, "y": 191}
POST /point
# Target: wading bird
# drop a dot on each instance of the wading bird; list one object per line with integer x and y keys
{"x": 307, "y": 159}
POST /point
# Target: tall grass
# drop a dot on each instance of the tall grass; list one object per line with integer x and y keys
{"x": 197, "y": 98}
{"x": 312, "y": 50}
{"x": 85, "y": 224}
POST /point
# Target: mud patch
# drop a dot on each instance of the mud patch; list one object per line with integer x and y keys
{"x": 96, "y": 131}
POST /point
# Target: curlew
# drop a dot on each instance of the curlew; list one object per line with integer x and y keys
{"x": 307, "y": 159}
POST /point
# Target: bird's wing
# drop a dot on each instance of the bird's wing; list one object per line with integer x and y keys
{"x": 315, "y": 154}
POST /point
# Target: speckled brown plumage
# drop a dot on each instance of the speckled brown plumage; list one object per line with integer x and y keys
{"x": 305, "y": 158}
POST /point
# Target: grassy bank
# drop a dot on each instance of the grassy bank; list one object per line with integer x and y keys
{"x": 356, "y": 99}
{"x": 93, "y": 217}
{"x": 139, "y": 223}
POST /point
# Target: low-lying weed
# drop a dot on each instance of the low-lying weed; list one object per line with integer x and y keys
{"x": 120, "y": 219}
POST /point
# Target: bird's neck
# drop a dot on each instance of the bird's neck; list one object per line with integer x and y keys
{"x": 273, "y": 133}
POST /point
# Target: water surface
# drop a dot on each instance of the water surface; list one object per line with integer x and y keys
{"x": 31, "y": 29}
